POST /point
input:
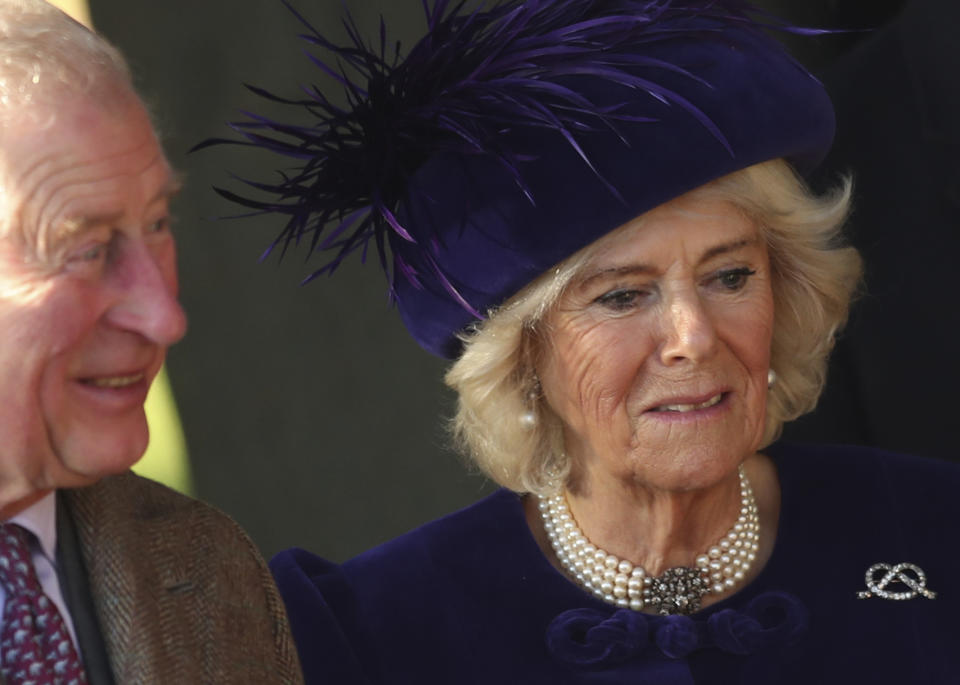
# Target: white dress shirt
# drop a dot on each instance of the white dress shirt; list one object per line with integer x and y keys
{"x": 41, "y": 519}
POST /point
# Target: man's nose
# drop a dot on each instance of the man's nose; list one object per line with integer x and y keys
{"x": 147, "y": 294}
{"x": 688, "y": 331}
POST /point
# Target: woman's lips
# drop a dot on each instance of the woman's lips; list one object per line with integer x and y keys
{"x": 683, "y": 407}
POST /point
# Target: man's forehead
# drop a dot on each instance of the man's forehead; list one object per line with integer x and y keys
{"x": 106, "y": 211}
{"x": 69, "y": 114}
{"x": 83, "y": 166}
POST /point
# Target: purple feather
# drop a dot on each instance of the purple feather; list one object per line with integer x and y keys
{"x": 477, "y": 74}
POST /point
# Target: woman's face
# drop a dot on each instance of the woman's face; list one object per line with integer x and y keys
{"x": 656, "y": 357}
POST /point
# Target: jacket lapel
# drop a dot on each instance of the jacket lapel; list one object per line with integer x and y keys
{"x": 139, "y": 591}
{"x": 72, "y": 574}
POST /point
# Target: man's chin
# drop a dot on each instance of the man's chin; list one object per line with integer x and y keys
{"x": 85, "y": 461}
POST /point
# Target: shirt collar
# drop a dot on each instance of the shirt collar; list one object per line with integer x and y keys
{"x": 40, "y": 518}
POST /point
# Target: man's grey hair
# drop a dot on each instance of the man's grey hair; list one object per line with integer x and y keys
{"x": 46, "y": 57}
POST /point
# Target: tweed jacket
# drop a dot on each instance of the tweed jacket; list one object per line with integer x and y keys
{"x": 180, "y": 592}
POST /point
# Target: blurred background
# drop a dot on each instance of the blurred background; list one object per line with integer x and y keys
{"x": 307, "y": 412}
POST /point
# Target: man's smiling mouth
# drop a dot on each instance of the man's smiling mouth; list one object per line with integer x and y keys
{"x": 114, "y": 381}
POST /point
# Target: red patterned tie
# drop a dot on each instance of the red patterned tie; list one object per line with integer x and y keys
{"x": 35, "y": 646}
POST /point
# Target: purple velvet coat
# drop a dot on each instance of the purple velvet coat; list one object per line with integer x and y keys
{"x": 471, "y": 599}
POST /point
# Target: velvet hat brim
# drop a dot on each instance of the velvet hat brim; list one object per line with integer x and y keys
{"x": 492, "y": 239}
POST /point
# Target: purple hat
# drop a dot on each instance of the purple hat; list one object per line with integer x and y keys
{"x": 507, "y": 139}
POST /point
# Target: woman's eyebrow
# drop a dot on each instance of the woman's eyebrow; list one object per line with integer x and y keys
{"x": 725, "y": 248}
{"x": 617, "y": 271}
{"x": 647, "y": 269}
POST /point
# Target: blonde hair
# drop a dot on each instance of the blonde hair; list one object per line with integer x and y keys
{"x": 814, "y": 277}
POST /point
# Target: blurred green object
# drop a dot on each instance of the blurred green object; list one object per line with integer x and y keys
{"x": 78, "y": 9}
{"x": 166, "y": 459}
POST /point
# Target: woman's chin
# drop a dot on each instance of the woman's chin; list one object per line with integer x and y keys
{"x": 686, "y": 466}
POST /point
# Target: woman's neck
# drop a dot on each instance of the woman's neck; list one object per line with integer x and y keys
{"x": 658, "y": 529}
{"x": 655, "y": 529}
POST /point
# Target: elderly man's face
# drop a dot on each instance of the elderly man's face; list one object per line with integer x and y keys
{"x": 88, "y": 289}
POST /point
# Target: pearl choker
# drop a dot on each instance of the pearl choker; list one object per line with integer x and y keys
{"x": 678, "y": 590}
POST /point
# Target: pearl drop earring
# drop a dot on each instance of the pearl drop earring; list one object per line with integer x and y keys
{"x": 771, "y": 378}
{"x": 528, "y": 418}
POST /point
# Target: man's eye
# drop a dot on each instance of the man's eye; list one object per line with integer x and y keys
{"x": 735, "y": 279}
{"x": 91, "y": 254}
{"x": 88, "y": 258}
{"x": 159, "y": 226}
{"x": 620, "y": 299}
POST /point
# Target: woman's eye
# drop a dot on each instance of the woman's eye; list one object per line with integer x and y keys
{"x": 619, "y": 300}
{"x": 735, "y": 279}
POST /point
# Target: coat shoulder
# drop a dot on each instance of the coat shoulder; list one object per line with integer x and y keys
{"x": 192, "y": 576}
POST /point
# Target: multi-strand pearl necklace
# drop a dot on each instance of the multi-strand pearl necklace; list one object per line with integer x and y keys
{"x": 678, "y": 590}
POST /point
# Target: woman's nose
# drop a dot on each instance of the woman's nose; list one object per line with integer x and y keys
{"x": 688, "y": 331}
{"x": 147, "y": 303}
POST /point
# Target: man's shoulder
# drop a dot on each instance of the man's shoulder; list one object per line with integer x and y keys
{"x": 138, "y": 495}
{"x": 132, "y": 511}
{"x": 178, "y": 561}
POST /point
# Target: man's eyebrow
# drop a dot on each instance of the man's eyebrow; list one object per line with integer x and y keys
{"x": 77, "y": 225}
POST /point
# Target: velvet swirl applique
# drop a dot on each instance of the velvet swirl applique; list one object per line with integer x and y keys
{"x": 589, "y": 637}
